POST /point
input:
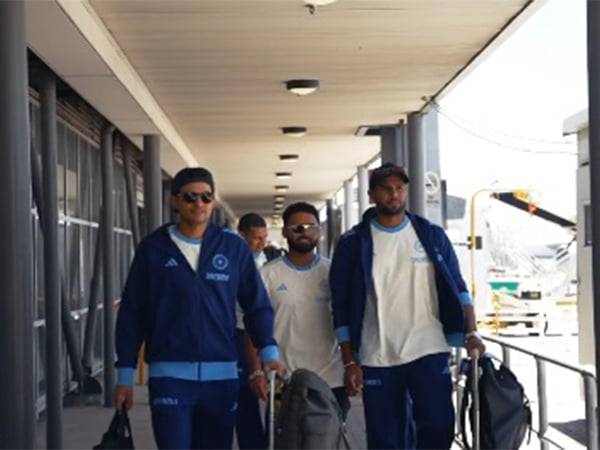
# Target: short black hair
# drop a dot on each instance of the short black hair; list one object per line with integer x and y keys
{"x": 299, "y": 207}
{"x": 251, "y": 220}
{"x": 192, "y": 175}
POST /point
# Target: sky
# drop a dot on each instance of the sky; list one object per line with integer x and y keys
{"x": 518, "y": 98}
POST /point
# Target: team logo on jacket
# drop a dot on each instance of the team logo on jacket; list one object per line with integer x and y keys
{"x": 220, "y": 262}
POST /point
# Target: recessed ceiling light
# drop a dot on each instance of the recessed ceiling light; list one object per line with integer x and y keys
{"x": 318, "y": 2}
{"x": 302, "y": 87}
{"x": 279, "y": 198}
{"x": 289, "y": 157}
{"x": 294, "y": 131}
{"x": 283, "y": 175}
{"x": 281, "y": 188}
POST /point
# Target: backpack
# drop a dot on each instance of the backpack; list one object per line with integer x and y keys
{"x": 505, "y": 415}
{"x": 309, "y": 416}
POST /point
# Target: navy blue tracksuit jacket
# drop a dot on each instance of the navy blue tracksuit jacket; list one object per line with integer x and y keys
{"x": 187, "y": 317}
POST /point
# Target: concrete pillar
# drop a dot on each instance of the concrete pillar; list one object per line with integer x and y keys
{"x": 393, "y": 145}
{"x": 108, "y": 260}
{"x": 363, "y": 191}
{"x": 593, "y": 42}
{"x": 416, "y": 164}
{"x": 49, "y": 213}
{"x": 16, "y": 345}
{"x": 152, "y": 183}
{"x": 348, "y": 205}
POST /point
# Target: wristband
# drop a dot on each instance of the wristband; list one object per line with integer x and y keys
{"x": 473, "y": 333}
{"x": 255, "y": 374}
{"x": 348, "y": 364}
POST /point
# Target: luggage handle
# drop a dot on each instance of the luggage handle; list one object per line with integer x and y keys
{"x": 476, "y": 407}
{"x": 271, "y": 377}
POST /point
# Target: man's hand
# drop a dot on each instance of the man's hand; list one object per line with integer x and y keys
{"x": 474, "y": 343}
{"x": 259, "y": 386}
{"x": 277, "y": 366}
{"x": 353, "y": 379}
{"x": 123, "y": 397}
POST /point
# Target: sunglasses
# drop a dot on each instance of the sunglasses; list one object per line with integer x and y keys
{"x": 192, "y": 197}
{"x": 302, "y": 227}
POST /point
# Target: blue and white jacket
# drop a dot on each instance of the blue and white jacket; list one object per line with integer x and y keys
{"x": 187, "y": 317}
{"x": 351, "y": 279}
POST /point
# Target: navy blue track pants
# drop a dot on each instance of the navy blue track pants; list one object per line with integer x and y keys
{"x": 193, "y": 414}
{"x": 386, "y": 395}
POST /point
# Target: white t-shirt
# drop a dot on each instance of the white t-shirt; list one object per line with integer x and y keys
{"x": 401, "y": 322}
{"x": 188, "y": 246}
{"x": 259, "y": 260}
{"x": 303, "y": 321}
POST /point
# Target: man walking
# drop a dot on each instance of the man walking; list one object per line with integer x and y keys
{"x": 180, "y": 299}
{"x": 249, "y": 427}
{"x": 399, "y": 301}
{"x": 298, "y": 286}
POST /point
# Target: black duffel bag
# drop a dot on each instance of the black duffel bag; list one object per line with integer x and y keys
{"x": 505, "y": 415}
{"x": 118, "y": 434}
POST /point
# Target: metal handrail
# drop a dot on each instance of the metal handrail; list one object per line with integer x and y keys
{"x": 589, "y": 383}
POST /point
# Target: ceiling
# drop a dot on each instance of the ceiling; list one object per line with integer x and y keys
{"x": 217, "y": 67}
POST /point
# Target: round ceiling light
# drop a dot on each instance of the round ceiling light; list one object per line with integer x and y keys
{"x": 302, "y": 87}
{"x": 318, "y": 2}
{"x": 279, "y": 198}
{"x": 289, "y": 157}
{"x": 281, "y": 188}
{"x": 294, "y": 131}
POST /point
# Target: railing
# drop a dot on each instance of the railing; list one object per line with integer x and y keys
{"x": 589, "y": 385}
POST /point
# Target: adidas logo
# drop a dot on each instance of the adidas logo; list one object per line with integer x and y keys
{"x": 171, "y": 263}
{"x": 282, "y": 287}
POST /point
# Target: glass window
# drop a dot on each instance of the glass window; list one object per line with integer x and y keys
{"x": 84, "y": 180}
{"x": 74, "y": 274}
{"x": 72, "y": 163}
{"x": 96, "y": 181}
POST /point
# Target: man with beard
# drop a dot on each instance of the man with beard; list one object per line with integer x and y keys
{"x": 180, "y": 298}
{"x": 399, "y": 302}
{"x": 298, "y": 286}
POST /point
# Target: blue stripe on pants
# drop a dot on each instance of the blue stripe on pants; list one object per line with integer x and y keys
{"x": 193, "y": 414}
{"x": 249, "y": 428}
{"x": 387, "y": 393}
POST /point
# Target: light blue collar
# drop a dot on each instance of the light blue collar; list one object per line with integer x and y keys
{"x": 395, "y": 229}
{"x": 303, "y": 268}
{"x": 179, "y": 235}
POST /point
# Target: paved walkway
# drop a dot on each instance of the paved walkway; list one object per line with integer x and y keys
{"x": 84, "y": 425}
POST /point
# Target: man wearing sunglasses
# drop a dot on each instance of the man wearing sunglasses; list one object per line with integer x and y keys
{"x": 180, "y": 298}
{"x": 298, "y": 286}
{"x": 399, "y": 303}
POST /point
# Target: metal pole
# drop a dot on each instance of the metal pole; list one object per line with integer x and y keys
{"x": 591, "y": 428}
{"x": 348, "y": 205}
{"x": 130, "y": 187}
{"x": 416, "y": 164}
{"x": 152, "y": 183}
{"x": 330, "y": 227}
{"x": 15, "y": 238}
{"x": 166, "y": 190}
{"x": 106, "y": 146}
{"x": 363, "y": 191}
{"x": 49, "y": 212}
{"x": 593, "y": 42}
{"x": 506, "y": 356}
{"x": 90, "y": 323}
{"x": 542, "y": 402}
